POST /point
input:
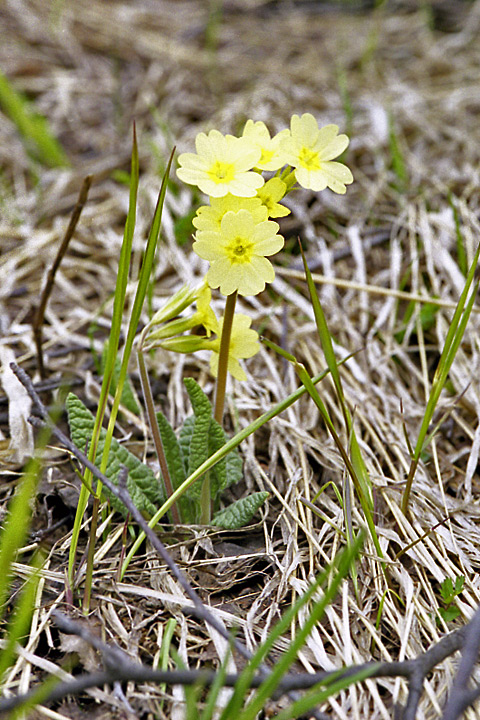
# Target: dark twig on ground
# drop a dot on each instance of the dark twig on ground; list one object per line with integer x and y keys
{"x": 119, "y": 668}
{"x": 462, "y": 696}
{"x": 40, "y": 311}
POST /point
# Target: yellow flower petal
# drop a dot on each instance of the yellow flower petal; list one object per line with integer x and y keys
{"x": 237, "y": 253}
{"x": 310, "y": 149}
{"x": 222, "y": 165}
{"x": 243, "y": 344}
{"x": 271, "y": 156}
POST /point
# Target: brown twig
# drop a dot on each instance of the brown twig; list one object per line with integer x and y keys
{"x": 461, "y": 696}
{"x": 37, "y": 324}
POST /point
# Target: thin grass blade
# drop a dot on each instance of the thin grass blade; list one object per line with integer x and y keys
{"x": 453, "y": 339}
{"x": 118, "y": 304}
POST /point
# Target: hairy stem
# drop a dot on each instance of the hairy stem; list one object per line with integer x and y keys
{"x": 87, "y": 594}
{"x": 223, "y": 356}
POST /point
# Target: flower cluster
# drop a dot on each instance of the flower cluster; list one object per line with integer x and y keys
{"x": 236, "y": 232}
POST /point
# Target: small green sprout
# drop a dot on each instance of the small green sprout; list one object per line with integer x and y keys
{"x": 449, "y": 591}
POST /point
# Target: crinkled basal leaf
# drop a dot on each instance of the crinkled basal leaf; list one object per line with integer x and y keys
{"x": 173, "y": 453}
{"x": 227, "y": 471}
{"x": 234, "y": 468}
{"x": 239, "y": 513}
{"x": 144, "y": 488}
{"x": 202, "y": 411}
{"x": 185, "y": 438}
{"x": 176, "y": 466}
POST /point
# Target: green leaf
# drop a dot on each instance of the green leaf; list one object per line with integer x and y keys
{"x": 33, "y": 127}
{"x": 446, "y": 590}
{"x": 144, "y": 488}
{"x": 227, "y": 471}
{"x": 239, "y": 513}
{"x": 176, "y": 465}
{"x": 198, "y": 449}
{"x": 185, "y": 438}
{"x": 449, "y": 614}
{"x": 173, "y": 453}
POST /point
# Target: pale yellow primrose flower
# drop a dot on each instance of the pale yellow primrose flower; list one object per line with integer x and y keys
{"x": 243, "y": 344}
{"x": 311, "y": 149}
{"x": 259, "y": 135}
{"x": 205, "y": 315}
{"x": 237, "y": 253}
{"x": 209, "y": 217}
{"x": 273, "y": 191}
{"x": 222, "y": 165}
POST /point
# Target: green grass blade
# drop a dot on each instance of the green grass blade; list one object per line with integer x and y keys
{"x": 39, "y": 696}
{"x": 113, "y": 342}
{"x": 336, "y": 575}
{"x": 325, "y": 339}
{"x": 281, "y": 627}
{"x": 17, "y": 519}
{"x": 399, "y": 165}
{"x": 364, "y": 499}
{"x": 16, "y": 525}
{"x": 461, "y": 253}
{"x": 453, "y": 339}
{"x": 331, "y": 360}
{"x": 142, "y": 286}
{"x": 165, "y": 652}
{"x": 210, "y": 704}
{"x": 20, "y": 623}
{"x": 363, "y": 485}
{"x": 316, "y": 696}
{"x": 33, "y": 127}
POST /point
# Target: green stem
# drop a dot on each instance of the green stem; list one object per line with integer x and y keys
{"x": 223, "y": 356}
{"x": 87, "y": 595}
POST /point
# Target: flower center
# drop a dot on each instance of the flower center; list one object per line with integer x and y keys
{"x": 240, "y": 250}
{"x": 222, "y": 172}
{"x": 309, "y": 159}
{"x": 267, "y": 155}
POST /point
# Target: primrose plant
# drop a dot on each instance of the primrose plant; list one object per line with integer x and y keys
{"x": 245, "y": 179}
{"x": 237, "y": 233}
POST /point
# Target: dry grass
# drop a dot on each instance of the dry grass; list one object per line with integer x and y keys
{"x": 92, "y": 67}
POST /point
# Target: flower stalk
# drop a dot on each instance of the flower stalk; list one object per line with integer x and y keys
{"x": 223, "y": 356}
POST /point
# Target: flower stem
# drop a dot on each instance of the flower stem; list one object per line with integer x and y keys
{"x": 223, "y": 356}
{"x": 91, "y": 554}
